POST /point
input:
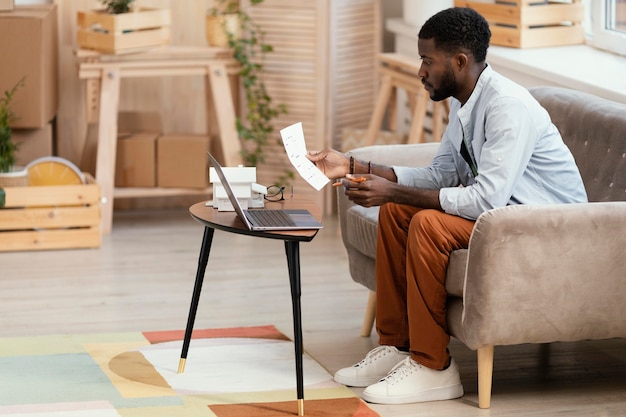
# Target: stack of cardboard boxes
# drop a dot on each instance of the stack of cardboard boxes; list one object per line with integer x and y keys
{"x": 28, "y": 47}
{"x": 147, "y": 158}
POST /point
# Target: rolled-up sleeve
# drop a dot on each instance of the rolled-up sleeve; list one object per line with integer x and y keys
{"x": 442, "y": 172}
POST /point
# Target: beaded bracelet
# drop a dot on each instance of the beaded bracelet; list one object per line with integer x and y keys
{"x": 351, "y": 165}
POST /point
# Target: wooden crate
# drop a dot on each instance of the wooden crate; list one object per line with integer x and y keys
{"x": 124, "y": 32}
{"x": 531, "y": 23}
{"x": 50, "y": 217}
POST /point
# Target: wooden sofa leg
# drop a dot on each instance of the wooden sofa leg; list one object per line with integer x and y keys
{"x": 370, "y": 315}
{"x": 485, "y": 376}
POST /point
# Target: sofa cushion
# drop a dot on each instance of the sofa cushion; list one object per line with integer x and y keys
{"x": 363, "y": 229}
{"x": 593, "y": 129}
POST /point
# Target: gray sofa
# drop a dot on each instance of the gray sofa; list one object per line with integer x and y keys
{"x": 532, "y": 274}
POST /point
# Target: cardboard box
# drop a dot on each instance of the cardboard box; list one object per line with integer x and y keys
{"x": 28, "y": 47}
{"x": 182, "y": 161}
{"x": 135, "y": 164}
{"x": 139, "y": 121}
{"x": 6, "y": 5}
{"x": 32, "y": 144}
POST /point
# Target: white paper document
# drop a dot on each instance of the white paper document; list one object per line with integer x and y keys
{"x": 295, "y": 146}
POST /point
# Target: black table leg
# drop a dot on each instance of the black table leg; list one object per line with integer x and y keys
{"x": 293, "y": 262}
{"x": 207, "y": 239}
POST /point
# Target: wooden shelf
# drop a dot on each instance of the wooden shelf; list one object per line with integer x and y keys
{"x": 103, "y": 74}
{"x": 140, "y": 192}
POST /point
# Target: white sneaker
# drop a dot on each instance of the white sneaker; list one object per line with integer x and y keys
{"x": 376, "y": 365}
{"x": 410, "y": 382}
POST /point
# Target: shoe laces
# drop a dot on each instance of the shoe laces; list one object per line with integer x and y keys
{"x": 374, "y": 355}
{"x": 402, "y": 370}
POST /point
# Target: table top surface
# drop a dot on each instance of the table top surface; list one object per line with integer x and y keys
{"x": 229, "y": 222}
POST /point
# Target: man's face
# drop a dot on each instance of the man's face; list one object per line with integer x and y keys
{"x": 436, "y": 71}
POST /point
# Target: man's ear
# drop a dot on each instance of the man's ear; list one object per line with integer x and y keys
{"x": 460, "y": 61}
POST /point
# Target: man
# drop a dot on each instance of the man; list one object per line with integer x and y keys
{"x": 499, "y": 148}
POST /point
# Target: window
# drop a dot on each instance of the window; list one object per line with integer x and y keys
{"x": 606, "y": 24}
{"x": 617, "y": 21}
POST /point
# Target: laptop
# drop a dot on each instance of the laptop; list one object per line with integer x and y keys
{"x": 266, "y": 219}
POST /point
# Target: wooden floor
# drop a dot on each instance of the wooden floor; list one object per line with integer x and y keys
{"x": 142, "y": 277}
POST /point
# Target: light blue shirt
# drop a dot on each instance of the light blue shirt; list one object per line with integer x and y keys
{"x": 518, "y": 153}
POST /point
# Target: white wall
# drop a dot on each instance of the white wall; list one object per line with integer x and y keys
{"x": 416, "y": 12}
{"x": 579, "y": 67}
{"x": 390, "y": 9}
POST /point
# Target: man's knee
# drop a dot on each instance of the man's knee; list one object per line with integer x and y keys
{"x": 387, "y": 213}
{"x": 444, "y": 230}
{"x": 426, "y": 221}
{"x": 383, "y": 210}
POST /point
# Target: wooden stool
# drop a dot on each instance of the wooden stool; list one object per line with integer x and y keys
{"x": 399, "y": 71}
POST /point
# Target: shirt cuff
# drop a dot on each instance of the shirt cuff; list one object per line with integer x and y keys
{"x": 404, "y": 175}
{"x": 448, "y": 198}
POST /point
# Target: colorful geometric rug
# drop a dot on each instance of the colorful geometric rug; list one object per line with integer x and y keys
{"x": 241, "y": 372}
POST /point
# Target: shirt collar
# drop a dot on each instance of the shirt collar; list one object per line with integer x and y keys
{"x": 483, "y": 79}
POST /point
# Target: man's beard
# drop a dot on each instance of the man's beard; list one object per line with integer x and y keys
{"x": 447, "y": 86}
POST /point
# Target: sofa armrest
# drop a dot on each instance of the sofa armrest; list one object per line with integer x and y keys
{"x": 359, "y": 233}
{"x": 414, "y": 155}
{"x": 539, "y": 274}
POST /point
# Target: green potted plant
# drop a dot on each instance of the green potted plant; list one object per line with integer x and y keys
{"x": 246, "y": 39}
{"x": 117, "y": 6}
{"x": 10, "y": 175}
{"x": 222, "y": 19}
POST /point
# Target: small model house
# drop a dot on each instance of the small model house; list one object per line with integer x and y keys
{"x": 243, "y": 182}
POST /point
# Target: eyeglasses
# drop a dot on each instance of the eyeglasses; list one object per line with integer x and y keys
{"x": 277, "y": 193}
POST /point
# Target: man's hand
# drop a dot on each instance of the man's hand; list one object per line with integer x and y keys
{"x": 368, "y": 190}
{"x": 332, "y": 163}
{"x": 351, "y": 178}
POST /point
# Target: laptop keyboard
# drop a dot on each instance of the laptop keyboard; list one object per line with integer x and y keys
{"x": 272, "y": 218}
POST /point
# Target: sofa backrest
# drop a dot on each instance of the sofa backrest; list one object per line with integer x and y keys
{"x": 595, "y": 131}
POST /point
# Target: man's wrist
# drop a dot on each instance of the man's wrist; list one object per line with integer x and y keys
{"x": 360, "y": 167}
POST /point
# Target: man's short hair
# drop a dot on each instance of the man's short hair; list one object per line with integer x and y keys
{"x": 458, "y": 29}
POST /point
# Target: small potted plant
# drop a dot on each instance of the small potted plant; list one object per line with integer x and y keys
{"x": 246, "y": 39}
{"x": 10, "y": 175}
{"x": 117, "y": 6}
{"x": 121, "y": 26}
{"x": 222, "y": 19}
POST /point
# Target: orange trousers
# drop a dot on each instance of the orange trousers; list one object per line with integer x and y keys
{"x": 412, "y": 256}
